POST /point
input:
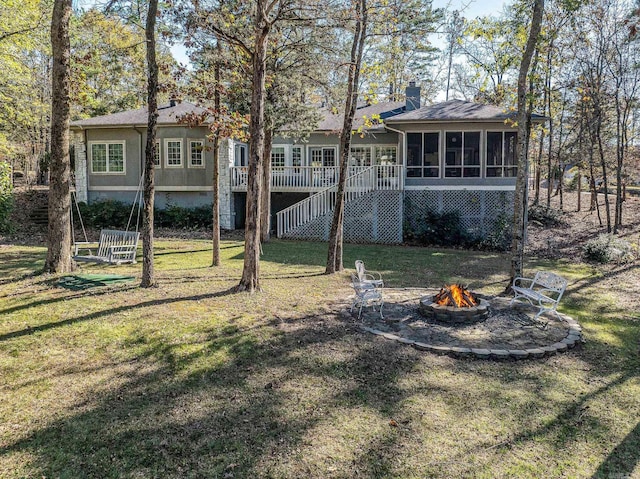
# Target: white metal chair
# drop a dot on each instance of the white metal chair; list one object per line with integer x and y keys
{"x": 367, "y": 294}
{"x": 368, "y": 277}
{"x": 545, "y": 289}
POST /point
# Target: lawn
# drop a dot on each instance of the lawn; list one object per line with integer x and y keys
{"x": 191, "y": 380}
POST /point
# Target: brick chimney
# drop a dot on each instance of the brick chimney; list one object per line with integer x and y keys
{"x": 413, "y": 97}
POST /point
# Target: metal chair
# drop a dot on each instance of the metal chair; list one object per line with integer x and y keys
{"x": 545, "y": 291}
{"x": 367, "y": 294}
{"x": 368, "y": 277}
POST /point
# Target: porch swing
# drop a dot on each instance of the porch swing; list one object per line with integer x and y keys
{"x": 114, "y": 246}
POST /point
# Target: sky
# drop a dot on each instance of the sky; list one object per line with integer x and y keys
{"x": 472, "y": 9}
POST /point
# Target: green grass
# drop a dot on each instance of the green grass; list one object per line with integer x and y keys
{"x": 192, "y": 380}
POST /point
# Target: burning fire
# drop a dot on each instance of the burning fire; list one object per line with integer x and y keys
{"x": 455, "y": 295}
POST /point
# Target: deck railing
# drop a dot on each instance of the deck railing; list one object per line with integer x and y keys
{"x": 316, "y": 178}
{"x": 361, "y": 180}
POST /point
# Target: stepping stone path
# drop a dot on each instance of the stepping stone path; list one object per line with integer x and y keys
{"x": 507, "y": 333}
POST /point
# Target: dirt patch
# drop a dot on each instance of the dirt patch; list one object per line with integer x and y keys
{"x": 566, "y": 240}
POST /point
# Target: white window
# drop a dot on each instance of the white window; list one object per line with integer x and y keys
{"x": 277, "y": 157}
{"x": 157, "y": 157}
{"x": 173, "y": 152}
{"x": 241, "y": 155}
{"x": 322, "y": 156}
{"x": 386, "y": 155}
{"x": 360, "y": 156}
{"x": 501, "y": 154}
{"x": 108, "y": 157}
{"x": 296, "y": 156}
{"x": 196, "y": 153}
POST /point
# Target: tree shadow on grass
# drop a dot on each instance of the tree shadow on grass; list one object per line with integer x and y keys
{"x": 103, "y": 313}
{"x": 623, "y": 459}
{"x": 190, "y": 415}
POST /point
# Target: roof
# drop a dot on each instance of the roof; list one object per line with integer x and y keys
{"x": 458, "y": 110}
{"x": 167, "y": 115}
{"x": 332, "y": 121}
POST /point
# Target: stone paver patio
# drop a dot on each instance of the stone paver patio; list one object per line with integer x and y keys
{"x": 506, "y": 333}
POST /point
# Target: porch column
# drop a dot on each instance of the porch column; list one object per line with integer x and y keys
{"x": 226, "y": 160}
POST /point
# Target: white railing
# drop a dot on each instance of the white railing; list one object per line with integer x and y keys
{"x": 317, "y": 178}
{"x": 361, "y": 180}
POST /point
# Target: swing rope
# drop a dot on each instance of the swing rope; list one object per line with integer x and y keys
{"x": 138, "y": 201}
{"x": 84, "y": 231}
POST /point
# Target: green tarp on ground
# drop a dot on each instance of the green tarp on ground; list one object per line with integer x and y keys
{"x": 79, "y": 282}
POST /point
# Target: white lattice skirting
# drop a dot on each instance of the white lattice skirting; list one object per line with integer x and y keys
{"x": 378, "y": 216}
{"x": 479, "y": 210}
{"x": 373, "y": 218}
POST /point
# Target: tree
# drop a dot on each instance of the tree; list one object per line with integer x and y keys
{"x": 246, "y": 27}
{"x": 523, "y": 116}
{"x": 294, "y": 64}
{"x": 250, "y": 280}
{"x": 360, "y": 23}
{"x": 148, "y": 274}
{"x": 398, "y": 48}
{"x": 59, "y": 230}
{"x": 453, "y": 32}
{"x": 25, "y": 83}
{"x": 108, "y": 64}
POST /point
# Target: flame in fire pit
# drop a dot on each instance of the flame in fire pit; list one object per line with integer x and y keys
{"x": 455, "y": 295}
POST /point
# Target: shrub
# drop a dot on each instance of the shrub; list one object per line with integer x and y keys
{"x": 106, "y": 214}
{"x": 607, "y": 248}
{"x": 439, "y": 229}
{"x": 6, "y": 197}
{"x": 115, "y": 214}
{"x": 499, "y": 239}
{"x": 185, "y": 218}
{"x": 546, "y": 216}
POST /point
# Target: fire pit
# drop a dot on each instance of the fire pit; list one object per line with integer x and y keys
{"x": 454, "y": 304}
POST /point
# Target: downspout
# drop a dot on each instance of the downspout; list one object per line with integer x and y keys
{"x": 404, "y": 147}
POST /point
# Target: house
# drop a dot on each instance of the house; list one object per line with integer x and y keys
{"x": 408, "y": 159}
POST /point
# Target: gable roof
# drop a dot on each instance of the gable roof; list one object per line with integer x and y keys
{"x": 458, "y": 110}
{"x": 167, "y": 115}
{"x": 332, "y": 121}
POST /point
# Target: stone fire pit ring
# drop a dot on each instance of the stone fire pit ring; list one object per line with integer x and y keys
{"x": 452, "y": 314}
{"x": 405, "y": 323}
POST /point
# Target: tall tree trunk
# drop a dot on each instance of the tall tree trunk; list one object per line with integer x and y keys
{"x": 59, "y": 228}
{"x": 148, "y": 273}
{"x": 520, "y": 207}
{"x": 605, "y": 182}
{"x": 334, "y": 256}
{"x": 250, "y": 280}
{"x": 215, "y": 207}
{"x": 538, "y": 172}
{"x": 215, "y": 213}
{"x": 265, "y": 207}
{"x": 579, "y": 175}
{"x": 595, "y": 205}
